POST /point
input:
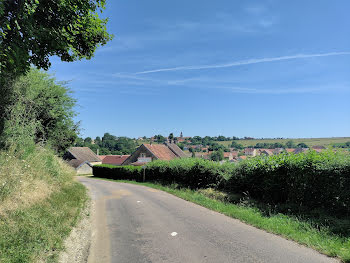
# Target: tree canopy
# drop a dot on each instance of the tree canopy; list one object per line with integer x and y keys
{"x": 32, "y": 31}
{"x": 40, "y": 110}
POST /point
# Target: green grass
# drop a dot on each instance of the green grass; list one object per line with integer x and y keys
{"x": 39, "y": 204}
{"x": 308, "y": 141}
{"x": 37, "y": 233}
{"x": 303, "y": 232}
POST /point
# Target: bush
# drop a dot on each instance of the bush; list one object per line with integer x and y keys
{"x": 308, "y": 180}
{"x": 297, "y": 181}
{"x": 108, "y": 171}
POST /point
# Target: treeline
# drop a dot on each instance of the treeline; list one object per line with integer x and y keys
{"x": 109, "y": 144}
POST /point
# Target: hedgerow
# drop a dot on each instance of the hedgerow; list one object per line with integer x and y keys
{"x": 308, "y": 180}
{"x": 127, "y": 172}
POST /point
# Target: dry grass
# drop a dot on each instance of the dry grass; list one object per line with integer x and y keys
{"x": 28, "y": 177}
{"x": 39, "y": 204}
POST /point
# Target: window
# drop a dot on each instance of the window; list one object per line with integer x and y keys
{"x": 142, "y": 155}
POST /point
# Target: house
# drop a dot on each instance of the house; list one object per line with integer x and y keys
{"x": 278, "y": 151}
{"x": 203, "y": 155}
{"x": 242, "y": 157}
{"x": 300, "y": 150}
{"x": 290, "y": 150}
{"x": 267, "y": 152}
{"x": 250, "y": 152}
{"x": 318, "y": 148}
{"x": 230, "y": 155}
{"x": 150, "y": 152}
{"x": 114, "y": 159}
{"x": 81, "y": 159}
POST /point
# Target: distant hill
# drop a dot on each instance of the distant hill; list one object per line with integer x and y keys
{"x": 308, "y": 141}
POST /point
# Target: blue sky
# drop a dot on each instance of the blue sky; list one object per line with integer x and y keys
{"x": 235, "y": 68}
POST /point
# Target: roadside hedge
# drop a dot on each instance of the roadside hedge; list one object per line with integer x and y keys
{"x": 313, "y": 180}
{"x": 108, "y": 171}
{"x": 307, "y": 180}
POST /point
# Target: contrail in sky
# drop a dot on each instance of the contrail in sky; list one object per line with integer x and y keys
{"x": 244, "y": 62}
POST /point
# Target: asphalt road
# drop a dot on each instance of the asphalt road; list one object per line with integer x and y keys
{"x": 133, "y": 223}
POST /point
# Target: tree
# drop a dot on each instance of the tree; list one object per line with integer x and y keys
{"x": 217, "y": 156}
{"x": 40, "y": 110}
{"x": 88, "y": 140}
{"x": 302, "y": 145}
{"x": 290, "y": 144}
{"x": 33, "y": 31}
{"x": 171, "y": 136}
{"x": 236, "y": 145}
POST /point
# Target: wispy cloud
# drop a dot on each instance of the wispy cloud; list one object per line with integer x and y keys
{"x": 243, "y": 62}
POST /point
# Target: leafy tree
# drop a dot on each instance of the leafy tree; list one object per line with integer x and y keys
{"x": 291, "y": 144}
{"x": 33, "y": 31}
{"x": 171, "y": 136}
{"x": 236, "y": 145}
{"x": 98, "y": 140}
{"x": 159, "y": 138}
{"x": 40, "y": 110}
{"x": 302, "y": 145}
{"x": 88, "y": 140}
{"x": 217, "y": 156}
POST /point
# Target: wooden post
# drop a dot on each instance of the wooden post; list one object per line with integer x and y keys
{"x": 144, "y": 173}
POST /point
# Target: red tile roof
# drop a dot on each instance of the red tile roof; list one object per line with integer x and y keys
{"x": 114, "y": 159}
{"x": 161, "y": 151}
{"x": 102, "y": 157}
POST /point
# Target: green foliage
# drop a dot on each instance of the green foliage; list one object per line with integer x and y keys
{"x": 305, "y": 181}
{"x": 302, "y": 181}
{"x": 40, "y": 110}
{"x": 291, "y": 144}
{"x": 109, "y": 144}
{"x": 127, "y": 172}
{"x": 236, "y": 145}
{"x": 217, "y": 156}
{"x": 32, "y": 31}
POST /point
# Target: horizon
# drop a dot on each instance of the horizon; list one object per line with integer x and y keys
{"x": 259, "y": 69}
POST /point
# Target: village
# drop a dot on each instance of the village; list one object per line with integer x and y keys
{"x": 82, "y": 159}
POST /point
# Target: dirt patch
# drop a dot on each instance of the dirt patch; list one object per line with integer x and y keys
{"x": 77, "y": 245}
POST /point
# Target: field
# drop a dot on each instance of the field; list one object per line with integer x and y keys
{"x": 308, "y": 141}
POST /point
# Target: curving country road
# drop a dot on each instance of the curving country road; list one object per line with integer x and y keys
{"x": 133, "y": 223}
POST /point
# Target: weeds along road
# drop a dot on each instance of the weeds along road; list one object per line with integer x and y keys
{"x": 133, "y": 223}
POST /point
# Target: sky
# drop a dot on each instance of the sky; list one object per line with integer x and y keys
{"x": 235, "y": 68}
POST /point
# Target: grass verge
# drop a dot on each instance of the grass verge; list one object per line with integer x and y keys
{"x": 37, "y": 233}
{"x": 303, "y": 232}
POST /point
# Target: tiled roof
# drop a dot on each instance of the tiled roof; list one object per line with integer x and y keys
{"x": 102, "y": 157}
{"x": 176, "y": 149}
{"x": 161, "y": 151}
{"x": 75, "y": 163}
{"x": 114, "y": 159}
{"x": 290, "y": 150}
{"x": 249, "y": 150}
{"x": 84, "y": 154}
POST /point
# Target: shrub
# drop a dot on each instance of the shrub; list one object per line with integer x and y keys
{"x": 307, "y": 180}
{"x": 128, "y": 172}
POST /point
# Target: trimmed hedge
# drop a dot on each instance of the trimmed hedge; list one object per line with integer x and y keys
{"x": 108, "y": 171}
{"x": 310, "y": 180}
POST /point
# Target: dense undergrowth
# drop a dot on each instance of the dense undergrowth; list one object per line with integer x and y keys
{"x": 39, "y": 204}
{"x": 311, "y": 188}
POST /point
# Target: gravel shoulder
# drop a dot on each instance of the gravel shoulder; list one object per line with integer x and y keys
{"x": 77, "y": 245}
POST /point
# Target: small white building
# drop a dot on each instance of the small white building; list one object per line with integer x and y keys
{"x": 250, "y": 152}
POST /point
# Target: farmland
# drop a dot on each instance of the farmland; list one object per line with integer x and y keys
{"x": 308, "y": 141}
